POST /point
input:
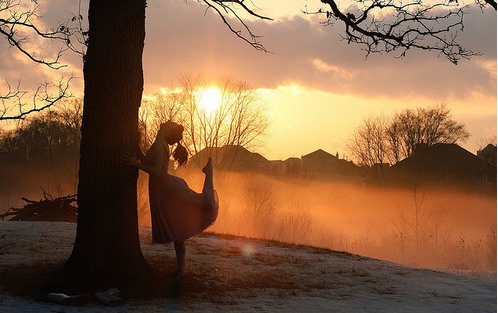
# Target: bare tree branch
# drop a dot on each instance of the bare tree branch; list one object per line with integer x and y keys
{"x": 78, "y": 32}
{"x": 484, "y": 3}
{"x": 390, "y": 25}
{"x": 17, "y": 104}
{"x": 17, "y": 24}
{"x": 229, "y": 8}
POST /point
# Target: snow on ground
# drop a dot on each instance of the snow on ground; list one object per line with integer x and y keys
{"x": 233, "y": 274}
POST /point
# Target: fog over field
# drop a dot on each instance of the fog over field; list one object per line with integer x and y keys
{"x": 432, "y": 228}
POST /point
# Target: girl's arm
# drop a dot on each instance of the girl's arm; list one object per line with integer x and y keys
{"x": 155, "y": 168}
{"x": 138, "y": 152}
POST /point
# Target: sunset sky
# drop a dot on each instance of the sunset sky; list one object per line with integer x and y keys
{"x": 317, "y": 88}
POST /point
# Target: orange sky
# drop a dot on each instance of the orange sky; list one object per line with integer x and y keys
{"x": 317, "y": 87}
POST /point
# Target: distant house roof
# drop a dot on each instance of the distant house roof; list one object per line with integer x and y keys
{"x": 441, "y": 163}
{"x": 322, "y": 163}
{"x": 489, "y": 149}
{"x": 488, "y": 154}
{"x": 315, "y": 164}
{"x": 231, "y": 157}
{"x": 319, "y": 154}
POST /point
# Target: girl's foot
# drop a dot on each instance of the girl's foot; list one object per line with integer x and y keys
{"x": 208, "y": 169}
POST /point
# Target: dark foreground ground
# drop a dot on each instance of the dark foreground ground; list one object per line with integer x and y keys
{"x": 233, "y": 274}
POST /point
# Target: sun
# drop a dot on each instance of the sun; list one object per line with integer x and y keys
{"x": 210, "y": 99}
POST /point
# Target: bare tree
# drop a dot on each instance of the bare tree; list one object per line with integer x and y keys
{"x": 409, "y": 134}
{"x": 379, "y": 140}
{"x": 426, "y": 126}
{"x": 369, "y": 145}
{"x": 157, "y": 109}
{"x": 393, "y": 137}
{"x": 239, "y": 120}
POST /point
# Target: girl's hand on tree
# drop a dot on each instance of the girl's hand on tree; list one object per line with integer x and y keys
{"x": 129, "y": 159}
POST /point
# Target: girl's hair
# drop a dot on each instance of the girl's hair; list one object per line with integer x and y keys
{"x": 180, "y": 154}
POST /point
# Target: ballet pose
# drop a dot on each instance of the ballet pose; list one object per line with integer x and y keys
{"x": 177, "y": 212}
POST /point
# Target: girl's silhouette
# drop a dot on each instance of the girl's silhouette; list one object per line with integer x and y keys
{"x": 177, "y": 212}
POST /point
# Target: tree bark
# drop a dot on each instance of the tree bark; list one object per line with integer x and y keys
{"x": 107, "y": 249}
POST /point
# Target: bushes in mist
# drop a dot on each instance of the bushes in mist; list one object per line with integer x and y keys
{"x": 271, "y": 221}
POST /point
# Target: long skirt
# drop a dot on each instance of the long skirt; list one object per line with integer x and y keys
{"x": 178, "y": 212}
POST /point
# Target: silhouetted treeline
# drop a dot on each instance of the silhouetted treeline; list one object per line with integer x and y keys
{"x": 46, "y": 138}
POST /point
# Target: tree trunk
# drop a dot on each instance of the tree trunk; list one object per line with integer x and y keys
{"x": 107, "y": 249}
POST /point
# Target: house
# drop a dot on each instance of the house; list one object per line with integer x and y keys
{"x": 231, "y": 157}
{"x": 321, "y": 164}
{"x": 440, "y": 164}
{"x": 318, "y": 164}
{"x": 290, "y": 166}
{"x": 488, "y": 154}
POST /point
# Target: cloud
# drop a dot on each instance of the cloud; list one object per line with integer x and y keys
{"x": 184, "y": 38}
{"x": 15, "y": 66}
{"x": 181, "y": 39}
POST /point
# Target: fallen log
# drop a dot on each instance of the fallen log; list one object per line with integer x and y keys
{"x": 48, "y": 209}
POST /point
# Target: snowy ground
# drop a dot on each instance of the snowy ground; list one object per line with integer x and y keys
{"x": 230, "y": 274}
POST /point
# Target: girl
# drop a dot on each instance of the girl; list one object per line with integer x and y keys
{"x": 177, "y": 212}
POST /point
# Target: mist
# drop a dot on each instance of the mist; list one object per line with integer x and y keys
{"x": 31, "y": 179}
{"x": 431, "y": 228}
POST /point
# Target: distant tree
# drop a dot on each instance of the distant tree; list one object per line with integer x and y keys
{"x": 425, "y": 126}
{"x": 240, "y": 119}
{"x": 47, "y": 137}
{"x": 388, "y": 141}
{"x": 157, "y": 109}
{"x": 369, "y": 145}
{"x": 70, "y": 112}
{"x": 393, "y": 135}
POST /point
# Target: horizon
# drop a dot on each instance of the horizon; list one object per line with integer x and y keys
{"x": 336, "y": 154}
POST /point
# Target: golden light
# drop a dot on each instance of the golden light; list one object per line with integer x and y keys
{"x": 210, "y": 99}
